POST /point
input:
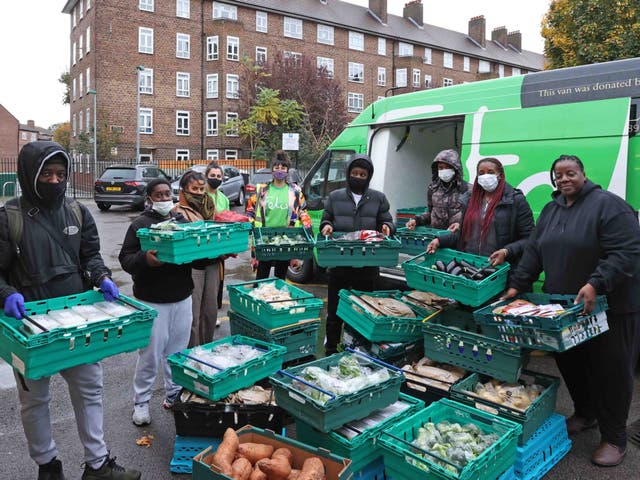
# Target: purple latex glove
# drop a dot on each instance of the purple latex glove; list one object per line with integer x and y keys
{"x": 14, "y": 306}
{"x": 109, "y": 290}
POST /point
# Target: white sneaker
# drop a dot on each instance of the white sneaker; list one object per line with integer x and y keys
{"x": 141, "y": 415}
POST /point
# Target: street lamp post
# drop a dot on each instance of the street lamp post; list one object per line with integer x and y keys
{"x": 95, "y": 131}
{"x": 139, "y": 69}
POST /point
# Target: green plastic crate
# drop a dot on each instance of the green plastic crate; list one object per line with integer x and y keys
{"x": 44, "y": 354}
{"x": 331, "y": 252}
{"x": 531, "y": 419}
{"x": 414, "y": 242}
{"x": 389, "y": 352}
{"x": 380, "y": 328}
{"x": 340, "y": 409}
{"x": 396, "y": 443}
{"x": 307, "y": 307}
{"x": 336, "y": 468}
{"x": 453, "y": 337}
{"x": 362, "y": 448}
{"x": 268, "y": 252}
{"x": 300, "y": 339}
{"x": 196, "y": 241}
{"x": 229, "y": 380}
{"x": 403, "y": 215}
{"x": 421, "y": 276}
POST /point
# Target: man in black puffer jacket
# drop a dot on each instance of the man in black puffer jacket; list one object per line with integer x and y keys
{"x": 356, "y": 207}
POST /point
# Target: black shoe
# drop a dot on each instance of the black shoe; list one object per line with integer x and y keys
{"x": 110, "y": 470}
{"x": 51, "y": 470}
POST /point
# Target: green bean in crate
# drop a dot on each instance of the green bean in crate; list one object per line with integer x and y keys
{"x": 274, "y": 302}
{"x": 414, "y": 242}
{"x": 43, "y": 354}
{"x": 184, "y": 242}
{"x": 282, "y": 243}
{"x": 336, "y": 252}
{"x": 213, "y": 380}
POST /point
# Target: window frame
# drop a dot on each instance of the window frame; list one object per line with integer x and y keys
{"x": 213, "y": 43}
{"x": 428, "y": 55}
{"x": 146, "y": 73}
{"x": 354, "y": 69}
{"x": 382, "y": 42}
{"x": 228, "y": 117}
{"x": 355, "y": 102}
{"x": 183, "y": 40}
{"x": 146, "y": 112}
{"x": 484, "y": 66}
{"x": 329, "y": 38}
{"x": 180, "y": 152}
{"x": 263, "y": 52}
{"x": 231, "y": 154}
{"x": 262, "y": 21}
{"x": 293, "y": 28}
{"x": 87, "y": 43}
{"x": 183, "y": 123}
{"x": 382, "y": 76}
{"x": 447, "y": 59}
{"x": 230, "y": 80}
{"x": 145, "y": 36}
{"x": 87, "y": 78}
{"x": 183, "y": 6}
{"x": 183, "y": 79}
{"x": 233, "y": 48}
{"x": 213, "y": 118}
{"x": 398, "y": 76}
{"x": 405, "y": 49}
{"x": 212, "y": 78}
{"x": 447, "y": 82}
{"x": 416, "y": 74}
{"x": 225, "y": 11}
{"x": 324, "y": 62}
{"x": 466, "y": 64}
{"x": 356, "y": 41}
{"x": 146, "y": 5}
{"x": 211, "y": 155}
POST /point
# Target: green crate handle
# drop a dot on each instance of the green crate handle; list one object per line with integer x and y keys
{"x": 125, "y": 302}
{"x": 295, "y": 377}
{"x": 426, "y": 452}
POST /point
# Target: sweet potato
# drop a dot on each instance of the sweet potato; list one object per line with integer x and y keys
{"x": 254, "y": 451}
{"x": 284, "y": 452}
{"x": 258, "y": 474}
{"x": 312, "y": 469}
{"x": 226, "y": 451}
{"x": 241, "y": 469}
{"x": 278, "y": 467}
{"x": 294, "y": 475}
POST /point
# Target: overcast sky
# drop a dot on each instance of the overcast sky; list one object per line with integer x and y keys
{"x": 34, "y": 36}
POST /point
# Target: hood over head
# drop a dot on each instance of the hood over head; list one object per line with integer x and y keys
{"x": 451, "y": 158}
{"x": 31, "y": 159}
{"x": 362, "y": 161}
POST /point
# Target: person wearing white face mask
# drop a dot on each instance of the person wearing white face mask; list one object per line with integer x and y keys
{"x": 165, "y": 287}
{"x": 497, "y": 219}
{"x": 443, "y": 194}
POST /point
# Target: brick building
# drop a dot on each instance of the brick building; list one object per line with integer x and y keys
{"x": 29, "y": 132}
{"x": 9, "y": 126}
{"x": 190, "y": 51}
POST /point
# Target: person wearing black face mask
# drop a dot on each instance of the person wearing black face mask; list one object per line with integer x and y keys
{"x": 213, "y": 175}
{"x": 356, "y": 207}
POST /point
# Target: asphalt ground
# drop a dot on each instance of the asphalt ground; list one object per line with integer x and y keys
{"x": 121, "y": 434}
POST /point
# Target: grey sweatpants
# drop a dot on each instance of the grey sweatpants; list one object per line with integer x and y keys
{"x": 85, "y": 390}
{"x": 169, "y": 334}
{"x": 205, "y": 304}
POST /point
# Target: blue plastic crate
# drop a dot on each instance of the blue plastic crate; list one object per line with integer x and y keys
{"x": 185, "y": 448}
{"x": 372, "y": 471}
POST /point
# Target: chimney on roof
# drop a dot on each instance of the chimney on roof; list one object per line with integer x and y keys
{"x": 514, "y": 39}
{"x": 478, "y": 30}
{"x": 499, "y": 35}
{"x": 379, "y": 7}
{"x": 414, "y": 11}
{"x": 31, "y": 123}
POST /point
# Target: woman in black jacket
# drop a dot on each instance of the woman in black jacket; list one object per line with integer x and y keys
{"x": 356, "y": 207}
{"x": 587, "y": 241}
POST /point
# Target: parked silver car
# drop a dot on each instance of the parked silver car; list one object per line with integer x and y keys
{"x": 232, "y": 183}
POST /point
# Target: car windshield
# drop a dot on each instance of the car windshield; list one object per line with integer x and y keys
{"x": 261, "y": 178}
{"x": 118, "y": 173}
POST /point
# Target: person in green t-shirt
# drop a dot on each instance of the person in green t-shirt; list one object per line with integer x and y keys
{"x": 213, "y": 174}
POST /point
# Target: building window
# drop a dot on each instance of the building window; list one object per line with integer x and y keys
{"x": 325, "y": 34}
{"x": 515, "y": 71}
{"x": 356, "y": 41}
{"x": 327, "y": 64}
{"x": 231, "y": 154}
{"x": 87, "y": 77}
{"x": 212, "y": 48}
{"x": 73, "y": 18}
{"x": 405, "y": 49}
{"x": 382, "y": 76}
{"x": 146, "y": 5}
{"x": 88, "y": 116}
{"x": 233, "y": 48}
{"x": 212, "y": 85}
{"x": 356, "y": 72}
{"x": 500, "y": 70}
{"x": 427, "y": 81}
{"x": 88, "y": 42}
{"x": 222, "y": 10}
{"x": 232, "y": 86}
{"x": 292, "y": 27}
{"x": 484, "y": 66}
{"x": 146, "y": 81}
{"x": 182, "y": 123}
{"x": 401, "y": 77}
{"x": 382, "y": 46}
{"x": 447, "y": 82}
{"x": 182, "y": 154}
{"x": 261, "y": 55}
{"x": 74, "y": 125}
{"x": 80, "y": 121}
{"x": 447, "y": 60}
{"x": 212, "y": 154}
{"x": 24, "y": 135}
{"x": 146, "y": 120}
{"x": 73, "y": 53}
{"x": 232, "y": 128}
{"x": 88, "y": 4}
{"x": 355, "y": 102}
{"x": 212, "y": 124}
{"x": 145, "y": 40}
{"x": 183, "y": 45}
{"x": 295, "y": 56}
{"x": 73, "y": 90}
{"x": 261, "y": 22}
{"x": 416, "y": 77}
{"x": 183, "y": 9}
{"x": 182, "y": 84}
{"x": 80, "y": 47}
{"x": 80, "y": 85}
{"x": 427, "y": 56}
{"x": 466, "y": 64}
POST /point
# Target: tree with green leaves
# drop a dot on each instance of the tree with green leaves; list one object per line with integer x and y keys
{"x": 580, "y": 32}
{"x": 107, "y": 140}
{"x": 62, "y": 135}
{"x": 65, "y": 79}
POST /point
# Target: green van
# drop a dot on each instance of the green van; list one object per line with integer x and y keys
{"x": 525, "y": 121}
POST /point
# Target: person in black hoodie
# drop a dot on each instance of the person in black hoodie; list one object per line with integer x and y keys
{"x": 55, "y": 253}
{"x": 165, "y": 287}
{"x": 587, "y": 241}
{"x": 356, "y": 207}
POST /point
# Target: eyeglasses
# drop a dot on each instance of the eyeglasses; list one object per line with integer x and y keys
{"x": 60, "y": 174}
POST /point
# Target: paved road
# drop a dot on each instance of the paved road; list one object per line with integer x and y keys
{"x": 121, "y": 434}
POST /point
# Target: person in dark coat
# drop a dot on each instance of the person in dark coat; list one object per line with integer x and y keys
{"x": 55, "y": 253}
{"x": 355, "y": 207}
{"x": 587, "y": 242}
{"x": 497, "y": 219}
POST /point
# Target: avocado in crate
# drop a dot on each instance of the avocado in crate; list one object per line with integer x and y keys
{"x": 274, "y": 302}
{"x": 529, "y": 402}
{"x": 300, "y": 338}
{"x": 395, "y": 353}
{"x": 467, "y": 278}
{"x": 454, "y": 338}
{"x": 282, "y": 243}
{"x": 363, "y": 248}
{"x": 63, "y": 332}
{"x": 414, "y": 242}
{"x": 430, "y": 381}
{"x": 332, "y": 391}
{"x": 216, "y": 369}
{"x": 483, "y": 445}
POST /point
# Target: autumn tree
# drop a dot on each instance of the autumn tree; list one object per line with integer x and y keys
{"x": 107, "y": 139}
{"x": 65, "y": 79}
{"x": 62, "y": 135}
{"x": 579, "y": 32}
